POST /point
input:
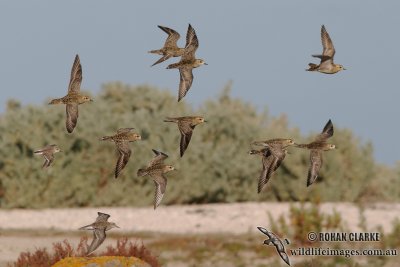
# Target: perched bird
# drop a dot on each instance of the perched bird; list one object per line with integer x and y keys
{"x": 74, "y": 97}
{"x": 170, "y": 48}
{"x": 48, "y": 154}
{"x": 326, "y": 65}
{"x": 186, "y": 126}
{"x": 270, "y": 163}
{"x": 99, "y": 228}
{"x": 156, "y": 170}
{"x": 122, "y": 139}
{"x": 316, "y": 149}
{"x": 276, "y": 241}
{"x": 187, "y": 63}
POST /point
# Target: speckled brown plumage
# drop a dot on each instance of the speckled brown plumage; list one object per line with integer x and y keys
{"x": 156, "y": 170}
{"x": 122, "y": 139}
{"x": 48, "y": 153}
{"x": 99, "y": 228}
{"x": 326, "y": 64}
{"x": 73, "y": 97}
{"x": 316, "y": 148}
{"x": 170, "y": 48}
{"x": 187, "y": 63}
{"x": 186, "y": 126}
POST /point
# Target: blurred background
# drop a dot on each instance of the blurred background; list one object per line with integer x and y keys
{"x": 254, "y": 88}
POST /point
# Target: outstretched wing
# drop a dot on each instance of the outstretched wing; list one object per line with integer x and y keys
{"x": 186, "y": 134}
{"x": 124, "y": 130}
{"x": 49, "y": 158}
{"x": 192, "y": 43}
{"x": 76, "y": 76}
{"x": 160, "y": 182}
{"x": 72, "y": 116}
{"x": 186, "y": 80}
{"x": 123, "y": 158}
{"x": 327, "y": 132}
{"x": 172, "y": 38}
{"x": 315, "y": 165}
{"x": 99, "y": 235}
{"x": 158, "y": 158}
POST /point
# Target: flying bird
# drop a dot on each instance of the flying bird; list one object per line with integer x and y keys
{"x": 99, "y": 228}
{"x": 170, "y": 48}
{"x": 186, "y": 126}
{"x": 187, "y": 63}
{"x": 270, "y": 163}
{"x": 326, "y": 65}
{"x": 122, "y": 139}
{"x": 274, "y": 240}
{"x": 316, "y": 148}
{"x": 48, "y": 153}
{"x": 73, "y": 97}
{"x": 156, "y": 170}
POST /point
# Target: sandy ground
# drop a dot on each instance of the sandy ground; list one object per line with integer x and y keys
{"x": 20, "y": 229}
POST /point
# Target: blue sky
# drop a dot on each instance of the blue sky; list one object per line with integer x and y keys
{"x": 262, "y": 46}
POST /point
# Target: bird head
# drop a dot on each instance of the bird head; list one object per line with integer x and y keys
{"x": 289, "y": 142}
{"x": 84, "y": 99}
{"x": 331, "y": 146}
{"x": 198, "y": 120}
{"x": 200, "y": 62}
{"x": 340, "y": 67}
{"x": 137, "y": 136}
{"x": 57, "y": 149}
{"x": 168, "y": 168}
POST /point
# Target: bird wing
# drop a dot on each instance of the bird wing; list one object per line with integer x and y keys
{"x": 315, "y": 165}
{"x": 158, "y": 158}
{"x": 326, "y": 132}
{"x": 172, "y": 38}
{"x": 328, "y": 48}
{"x": 72, "y": 116}
{"x": 160, "y": 181}
{"x": 186, "y": 80}
{"x": 124, "y": 130}
{"x": 264, "y": 177}
{"x": 124, "y": 155}
{"x": 76, "y": 76}
{"x": 192, "y": 43}
{"x": 186, "y": 134}
{"x": 49, "y": 158}
{"x": 102, "y": 217}
{"x": 162, "y": 59}
{"x": 99, "y": 235}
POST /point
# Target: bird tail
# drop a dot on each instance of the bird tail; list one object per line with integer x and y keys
{"x": 301, "y": 145}
{"x": 56, "y": 101}
{"x": 173, "y": 66}
{"x": 169, "y": 119}
{"x": 106, "y": 138}
{"x": 312, "y": 67}
{"x": 158, "y": 52}
{"x": 141, "y": 172}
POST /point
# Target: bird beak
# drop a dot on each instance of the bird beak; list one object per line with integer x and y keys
{"x": 91, "y": 100}
{"x": 344, "y": 69}
{"x": 117, "y": 226}
{"x": 205, "y": 121}
{"x": 205, "y": 63}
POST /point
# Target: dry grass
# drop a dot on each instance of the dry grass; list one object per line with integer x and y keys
{"x": 61, "y": 250}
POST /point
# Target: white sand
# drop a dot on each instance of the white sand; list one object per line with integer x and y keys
{"x": 235, "y": 218}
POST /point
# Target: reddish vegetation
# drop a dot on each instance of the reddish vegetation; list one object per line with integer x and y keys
{"x": 43, "y": 258}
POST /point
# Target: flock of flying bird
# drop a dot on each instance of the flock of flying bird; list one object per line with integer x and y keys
{"x": 272, "y": 153}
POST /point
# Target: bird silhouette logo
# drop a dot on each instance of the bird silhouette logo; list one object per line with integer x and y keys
{"x": 274, "y": 240}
